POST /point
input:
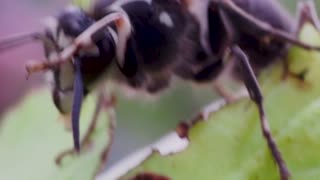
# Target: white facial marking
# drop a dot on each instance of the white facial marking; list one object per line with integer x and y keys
{"x": 66, "y": 76}
{"x": 64, "y": 40}
{"x": 51, "y": 24}
{"x": 199, "y": 9}
{"x": 66, "y": 100}
{"x": 165, "y": 19}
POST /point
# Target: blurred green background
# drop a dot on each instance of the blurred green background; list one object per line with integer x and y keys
{"x": 139, "y": 122}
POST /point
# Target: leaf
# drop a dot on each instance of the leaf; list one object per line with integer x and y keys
{"x": 84, "y": 4}
{"x": 31, "y": 137}
{"x": 230, "y": 145}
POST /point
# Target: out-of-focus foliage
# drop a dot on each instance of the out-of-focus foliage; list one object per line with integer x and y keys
{"x": 291, "y": 4}
{"x": 230, "y": 144}
{"x": 84, "y": 4}
{"x": 31, "y": 137}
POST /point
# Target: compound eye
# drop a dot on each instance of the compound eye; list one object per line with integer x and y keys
{"x": 74, "y": 22}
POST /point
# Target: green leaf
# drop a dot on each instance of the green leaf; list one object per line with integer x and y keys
{"x": 32, "y": 136}
{"x": 84, "y": 4}
{"x": 230, "y": 145}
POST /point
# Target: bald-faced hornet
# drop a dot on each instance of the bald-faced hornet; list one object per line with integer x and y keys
{"x": 143, "y": 44}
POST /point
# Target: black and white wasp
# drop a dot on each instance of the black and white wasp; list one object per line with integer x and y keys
{"x": 143, "y": 44}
